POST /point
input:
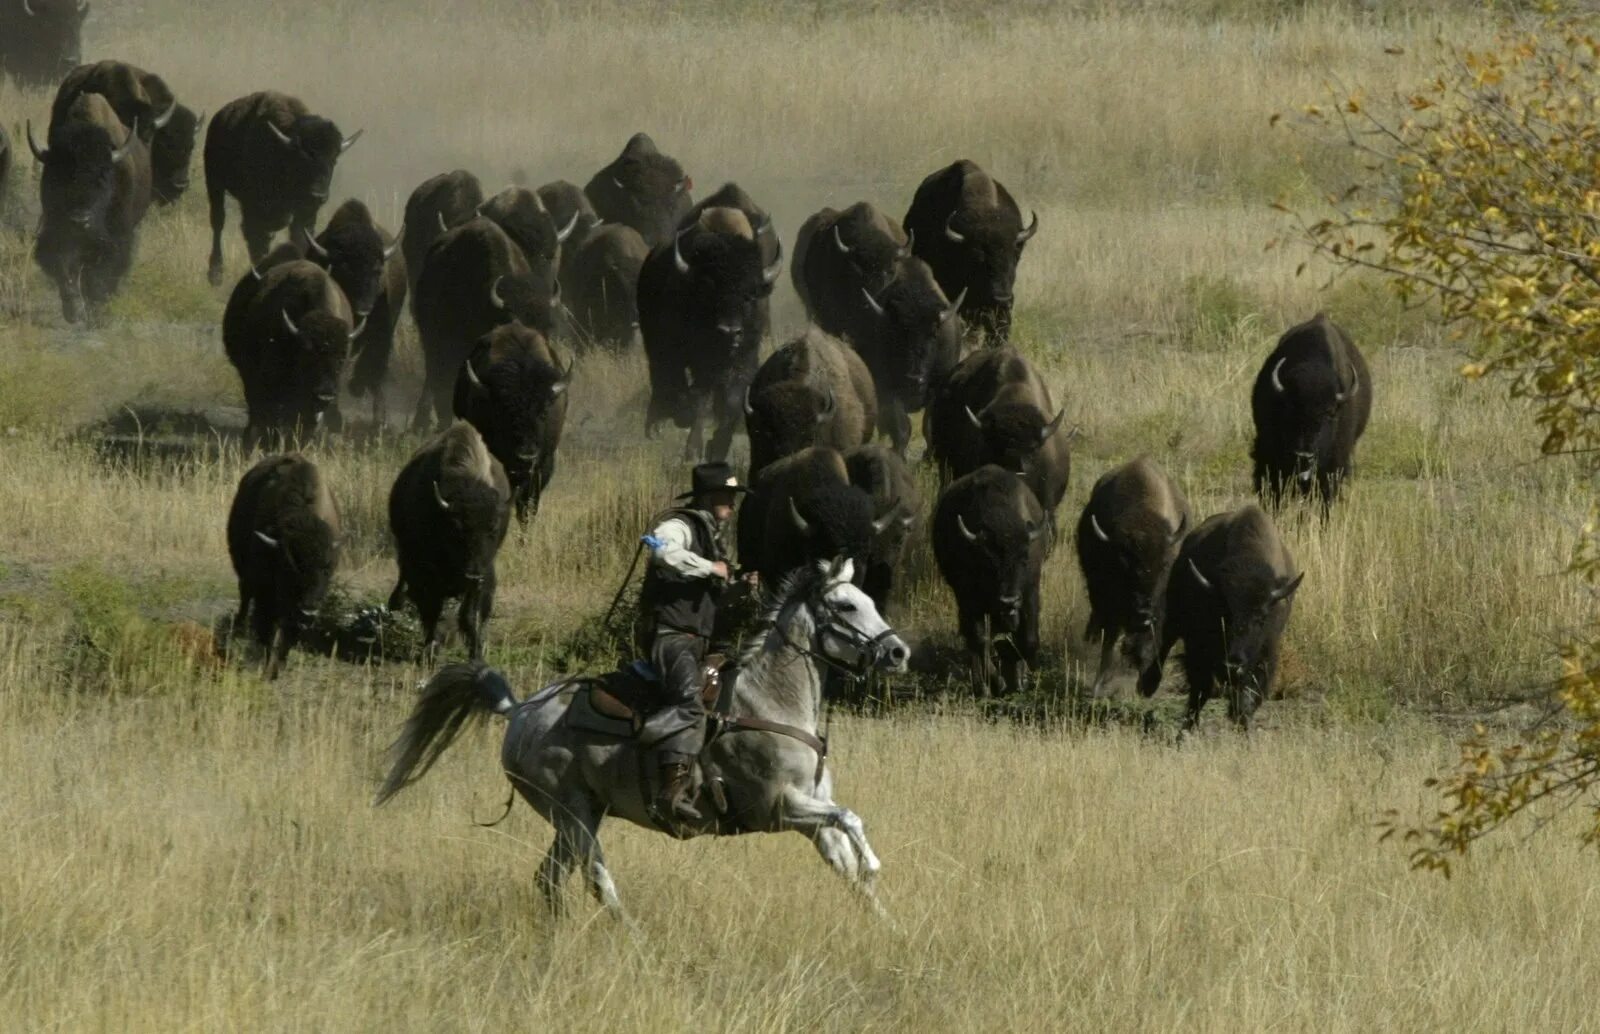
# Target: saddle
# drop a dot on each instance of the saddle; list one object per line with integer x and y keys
{"x": 633, "y": 692}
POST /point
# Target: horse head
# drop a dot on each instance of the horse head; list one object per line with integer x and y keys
{"x": 849, "y": 631}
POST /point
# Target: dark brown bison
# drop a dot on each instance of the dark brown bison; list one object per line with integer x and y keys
{"x": 41, "y": 40}
{"x": 564, "y": 201}
{"x": 6, "y": 157}
{"x": 438, "y": 205}
{"x": 513, "y": 390}
{"x": 996, "y": 408}
{"x": 365, "y": 261}
{"x": 990, "y": 538}
{"x": 287, "y": 331}
{"x": 731, "y": 195}
{"x": 94, "y": 191}
{"x": 644, "y": 189}
{"x": 1311, "y": 402}
{"x": 276, "y": 159}
{"x": 803, "y": 508}
{"x": 969, "y": 231}
{"x": 813, "y": 391}
{"x": 141, "y": 98}
{"x": 449, "y": 510}
{"x": 283, "y": 538}
{"x": 1228, "y": 599}
{"x": 600, "y": 285}
{"x": 886, "y": 479}
{"x": 519, "y": 212}
{"x": 1128, "y": 536}
{"x": 843, "y": 254}
{"x": 700, "y": 308}
{"x": 473, "y": 279}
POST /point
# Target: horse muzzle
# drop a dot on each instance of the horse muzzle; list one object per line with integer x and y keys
{"x": 892, "y": 655}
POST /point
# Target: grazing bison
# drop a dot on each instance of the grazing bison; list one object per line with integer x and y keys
{"x": 438, "y": 205}
{"x": 448, "y": 511}
{"x": 283, "y": 537}
{"x": 644, "y": 189}
{"x": 1228, "y": 599}
{"x": 886, "y": 479}
{"x": 996, "y": 408}
{"x": 601, "y": 285}
{"x": 969, "y": 231}
{"x": 1127, "y": 539}
{"x": 365, "y": 261}
{"x": 837, "y": 255}
{"x": 699, "y": 302}
{"x": 1311, "y": 402}
{"x": 287, "y": 331}
{"x": 801, "y": 509}
{"x": 276, "y": 159}
{"x": 513, "y": 390}
{"x": 812, "y": 391}
{"x": 143, "y": 99}
{"x": 990, "y": 540}
{"x": 566, "y": 201}
{"x": 40, "y": 40}
{"x": 94, "y": 191}
{"x": 473, "y": 279}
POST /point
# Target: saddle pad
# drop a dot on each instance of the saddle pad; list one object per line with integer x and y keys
{"x": 582, "y": 715}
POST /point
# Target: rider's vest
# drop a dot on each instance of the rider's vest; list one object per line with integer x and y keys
{"x": 686, "y": 606}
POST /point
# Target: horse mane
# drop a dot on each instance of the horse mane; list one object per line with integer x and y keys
{"x": 791, "y": 588}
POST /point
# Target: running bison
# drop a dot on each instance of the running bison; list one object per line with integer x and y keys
{"x": 1228, "y": 599}
{"x": 519, "y": 212}
{"x": 365, "y": 261}
{"x": 990, "y": 538}
{"x": 449, "y": 511}
{"x": 801, "y": 509}
{"x": 731, "y": 195}
{"x": 1128, "y": 537}
{"x": 968, "y": 229}
{"x": 567, "y": 202}
{"x": 283, "y": 537}
{"x": 143, "y": 99}
{"x": 600, "y": 285}
{"x": 438, "y": 205}
{"x": 94, "y": 191}
{"x": 812, "y": 391}
{"x": 700, "y": 307}
{"x": 1311, "y": 402}
{"x": 886, "y": 479}
{"x": 40, "y": 40}
{"x": 513, "y": 390}
{"x": 644, "y": 189}
{"x": 288, "y": 331}
{"x": 276, "y": 159}
{"x": 842, "y": 254}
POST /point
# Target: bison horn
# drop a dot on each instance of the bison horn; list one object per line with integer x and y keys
{"x": 395, "y": 246}
{"x": 1355, "y": 386}
{"x": 966, "y": 532}
{"x": 800, "y": 523}
{"x": 892, "y": 517}
{"x": 1033, "y": 227}
{"x": 1277, "y": 385}
{"x": 911, "y": 244}
{"x": 955, "y": 307}
{"x": 976, "y": 422}
{"x": 28, "y": 10}
{"x": 350, "y": 141}
{"x": 749, "y": 410}
{"x": 681, "y": 186}
{"x": 1099, "y": 532}
{"x": 472, "y": 375}
{"x": 439, "y": 497}
{"x": 119, "y": 153}
{"x": 199, "y": 121}
{"x": 678, "y": 260}
{"x": 566, "y": 231}
{"x": 1287, "y": 589}
{"x": 495, "y": 298}
{"x": 288, "y": 321}
{"x": 950, "y": 232}
{"x": 1035, "y": 529}
{"x": 1053, "y": 426}
{"x": 256, "y": 273}
{"x": 314, "y": 247}
{"x": 618, "y": 183}
{"x": 871, "y": 301}
{"x": 838, "y": 241}
{"x": 770, "y": 274}
{"x": 271, "y": 543}
{"x": 1204, "y": 582}
{"x": 283, "y": 138}
{"x": 829, "y": 405}
{"x": 444, "y": 227}
{"x": 355, "y": 331}
{"x": 765, "y": 226}
{"x": 39, "y": 153}
{"x": 161, "y": 120}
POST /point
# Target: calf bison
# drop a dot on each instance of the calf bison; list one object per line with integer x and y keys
{"x": 513, "y": 390}
{"x": 886, "y": 479}
{"x": 1128, "y": 536}
{"x": 141, "y": 98}
{"x": 812, "y": 391}
{"x": 600, "y": 285}
{"x": 969, "y": 231}
{"x": 1310, "y": 402}
{"x": 40, "y": 40}
{"x": 94, "y": 191}
{"x": 990, "y": 538}
{"x": 1228, "y": 599}
{"x": 365, "y": 261}
{"x": 644, "y": 189}
{"x": 448, "y": 510}
{"x": 438, "y": 205}
{"x": 283, "y": 538}
{"x": 276, "y": 159}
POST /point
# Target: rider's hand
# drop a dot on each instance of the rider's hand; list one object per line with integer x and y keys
{"x": 752, "y": 579}
{"x": 720, "y": 569}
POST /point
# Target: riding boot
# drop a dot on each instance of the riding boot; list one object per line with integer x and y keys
{"x": 673, "y": 801}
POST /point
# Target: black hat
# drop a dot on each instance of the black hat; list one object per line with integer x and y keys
{"x": 713, "y": 477}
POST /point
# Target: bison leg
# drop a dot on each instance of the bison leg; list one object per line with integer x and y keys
{"x": 219, "y": 218}
{"x": 975, "y": 633}
{"x": 1200, "y": 689}
{"x": 895, "y": 423}
{"x": 257, "y": 235}
{"x": 1108, "y": 643}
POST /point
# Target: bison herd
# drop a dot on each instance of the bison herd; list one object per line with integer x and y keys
{"x": 909, "y": 316}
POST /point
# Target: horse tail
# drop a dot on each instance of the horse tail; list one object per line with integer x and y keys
{"x": 457, "y": 693}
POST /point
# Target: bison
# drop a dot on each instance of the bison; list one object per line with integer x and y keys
{"x": 1310, "y": 402}
{"x": 731, "y": 195}
{"x": 513, "y": 390}
{"x": 41, "y": 40}
{"x": 700, "y": 305}
{"x": 519, "y": 212}
{"x": 644, "y": 189}
{"x": 6, "y": 157}
{"x": 365, "y": 261}
{"x": 448, "y": 510}
{"x": 141, "y": 98}
{"x": 996, "y": 408}
{"x": 813, "y": 391}
{"x": 566, "y": 201}
{"x": 438, "y": 205}
{"x": 886, "y": 479}
{"x": 969, "y": 231}
{"x": 276, "y": 159}
{"x": 283, "y": 538}
{"x": 601, "y": 285}
{"x": 1228, "y": 599}
{"x": 287, "y": 331}
{"x": 1128, "y": 536}
{"x": 838, "y": 255}
{"x": 990, "y": 538}
{"x": 803, "y": 508}
{"x": 94, "y": 191}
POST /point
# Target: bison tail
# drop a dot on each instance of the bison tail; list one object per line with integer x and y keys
{"x": 457, "y": 693}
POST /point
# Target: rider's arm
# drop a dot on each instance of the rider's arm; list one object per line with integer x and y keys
{"x": 672, "y": 547}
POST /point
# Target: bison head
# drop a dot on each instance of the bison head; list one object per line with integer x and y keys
{"x": 78, "y": 184}
{"x": 306, "y": 554}
{"x": 317, "y": 344}
{"x": 473, "y": 511}
{"x": 1251, "y": 606}
{"x": 509, "y": 401}
{"x": 724, "y": 282}
{"x": 989, "y": 243}
{"x": 1009, "y": 554}
{"x": 352, "y": 250}
{"x": 832, "y": 521}
{"x": 1013, "y": 433}
{"x": 783, "y": 419}
{"x": 1142, "y": 547}
{"x": 527, "y": 298}
{"x": 917, "y": 330}
{"x": 171, "y": 152}
{"x": 1310, "y": 398}
{"x": 310, "y": 147}
{"x": 523, "y": 217}
{"x": 644, "y": 189}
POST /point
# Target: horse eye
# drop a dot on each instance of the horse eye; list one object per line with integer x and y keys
{"x": 847, "y": 608}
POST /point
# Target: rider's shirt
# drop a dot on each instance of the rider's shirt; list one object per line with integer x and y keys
{"x": 681, "y": 587}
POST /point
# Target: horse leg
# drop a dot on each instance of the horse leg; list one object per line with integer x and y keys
{"x": 553, "y": 871}
{"x": 578, "y": 838}
{"x": 839, "y": 836}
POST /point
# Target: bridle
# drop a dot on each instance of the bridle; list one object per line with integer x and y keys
{"x": 829, "y": 623}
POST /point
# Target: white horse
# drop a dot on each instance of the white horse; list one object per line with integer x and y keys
{"x": 763, "y": 769}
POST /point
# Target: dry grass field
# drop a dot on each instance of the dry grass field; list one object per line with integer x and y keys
{"x": 191, "y": 848}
